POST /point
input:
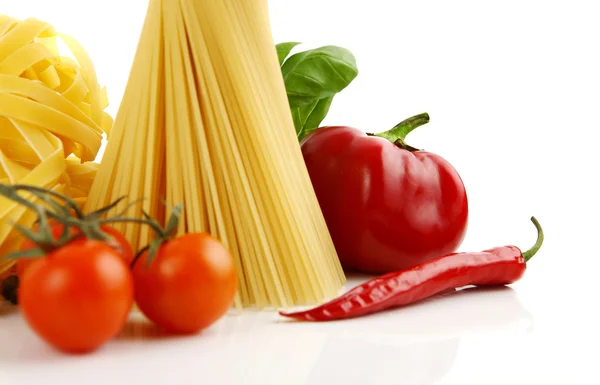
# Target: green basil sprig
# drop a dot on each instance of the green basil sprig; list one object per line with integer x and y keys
{"x": 284, "y": 49}
{"x": 312, "y": 78}
{"x": 308, "y": 118}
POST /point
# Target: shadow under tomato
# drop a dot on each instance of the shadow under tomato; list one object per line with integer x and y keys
{"x": 139, "y": 328}
{"x": 7, "y": 308}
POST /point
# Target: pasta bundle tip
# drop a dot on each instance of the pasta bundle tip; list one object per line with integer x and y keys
{"x": 205, "y": 122}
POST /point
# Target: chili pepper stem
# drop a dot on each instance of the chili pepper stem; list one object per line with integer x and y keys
{"x": 527, "y": 255}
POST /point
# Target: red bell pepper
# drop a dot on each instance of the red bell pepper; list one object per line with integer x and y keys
{"x": 388, "y": 206}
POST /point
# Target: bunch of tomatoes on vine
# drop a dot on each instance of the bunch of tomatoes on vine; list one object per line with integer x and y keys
{"x": 77, "y": 277}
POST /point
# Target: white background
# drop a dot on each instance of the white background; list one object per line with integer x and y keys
{"x": 513, "y": 90}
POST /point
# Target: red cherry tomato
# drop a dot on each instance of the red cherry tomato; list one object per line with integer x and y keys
{"x": 386, "y": 208}
{"x": 190, "y": 283}
{"x": 78, "y": 297}
{"x": 118, "y": 242}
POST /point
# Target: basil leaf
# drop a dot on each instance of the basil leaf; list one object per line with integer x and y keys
{"x": 307, "y": 118}
{"x": 318, "y": 74}
{"x": 284, "y": 49}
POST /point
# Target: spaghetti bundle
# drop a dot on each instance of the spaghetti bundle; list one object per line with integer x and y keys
{"x": 51, "y": 119}
{"x": 205, "y": 122}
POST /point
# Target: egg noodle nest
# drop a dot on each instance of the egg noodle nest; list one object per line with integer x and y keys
{"x": 52, "y": 120}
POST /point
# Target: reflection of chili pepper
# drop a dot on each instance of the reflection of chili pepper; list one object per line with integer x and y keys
{"x": 498, "y": 266}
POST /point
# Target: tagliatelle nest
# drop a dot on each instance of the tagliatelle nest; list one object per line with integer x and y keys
{"x": 52, "y": 119}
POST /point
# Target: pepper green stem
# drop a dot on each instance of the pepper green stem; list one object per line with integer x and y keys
{"x": 401, "y": 144}
{"x": 402, "y": 129}
{"x": 540, "y": 239}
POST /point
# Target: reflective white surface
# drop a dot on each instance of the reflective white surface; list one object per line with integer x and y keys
{"x": 474, "y": 336}
{"x": 419, "y": 345}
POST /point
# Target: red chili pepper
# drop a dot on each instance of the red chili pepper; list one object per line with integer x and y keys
{"x": 498, "y": 266}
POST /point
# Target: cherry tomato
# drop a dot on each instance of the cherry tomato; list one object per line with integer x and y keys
{"x": 78, "y": 297}
{"x": 190, "y": 283}
{"x": 117, "y": 242}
